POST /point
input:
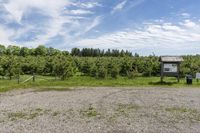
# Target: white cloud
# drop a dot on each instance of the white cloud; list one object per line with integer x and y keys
{"x": 4, "y": 36}
{"x": 94, "y": 23}
{"x": 55, "y": 11}
{"x": 158, "y": 38}
{"x": 87, "y": 5}
{"x": 189, "y": 24}
{"x": 17, "y": 8}
{"x": 136, "y": 3}
{"x": 126, "y": 5}
{"x": 119, "y": 6}
{"x": 185, "y": 15}
{"x": 79, "y": 12}
{"x": 15, "y": 12}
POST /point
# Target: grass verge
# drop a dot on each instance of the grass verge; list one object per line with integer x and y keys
{"x": 46, "y": 83}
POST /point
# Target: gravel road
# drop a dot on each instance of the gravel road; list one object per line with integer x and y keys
{"x": 101, "y": 110}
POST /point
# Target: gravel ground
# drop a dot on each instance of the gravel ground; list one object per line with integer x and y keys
{"x": 109, "y": 110}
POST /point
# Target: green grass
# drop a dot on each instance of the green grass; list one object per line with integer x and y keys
{"x": 126, "y": 109}
{"x": 17, "y": 115}
{"x": 50, "y": 83}
{"x": 13, "y": 116}
{"x": 90, "y": 112}
{"x": 179, "y": 110}
{"x": 55, "y": 113}
{"x": 182, "y": 113}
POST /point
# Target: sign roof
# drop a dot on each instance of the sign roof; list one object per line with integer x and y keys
{"x": 171, "y": 59}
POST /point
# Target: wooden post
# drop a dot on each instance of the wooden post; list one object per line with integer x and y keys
{"x": 33, "y": 77}
{"x": 178, "y": 72}
{"x": 161, "y": 73}
{"x": 18, "y": 78}
{"x": 178, "y": 78}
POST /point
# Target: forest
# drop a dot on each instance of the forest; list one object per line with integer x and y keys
{"x": 15, "y": 61}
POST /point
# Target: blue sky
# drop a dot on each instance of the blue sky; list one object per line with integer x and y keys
{"x": 162, "y": 27}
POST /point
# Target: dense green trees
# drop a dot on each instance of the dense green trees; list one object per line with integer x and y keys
{"x": 2, "y": 50}
{"x": 24, "y": 51}
{"x": 97, "y": 63}
{"x": 41, "y": 50}
{"x": 63, "y": 66}
{"x": 90, "y": 52}
{"x": 10, "y": 66}
{"x": 13, "y": 50}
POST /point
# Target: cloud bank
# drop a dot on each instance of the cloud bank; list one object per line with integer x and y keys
{"x": 36, "y": 22}
{"x": 162, "y": 39}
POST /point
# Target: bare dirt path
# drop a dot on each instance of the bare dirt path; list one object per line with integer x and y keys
{"x": 114, "y": 110}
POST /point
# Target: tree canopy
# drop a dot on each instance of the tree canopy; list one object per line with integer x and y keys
{"x": 97, "y": 63}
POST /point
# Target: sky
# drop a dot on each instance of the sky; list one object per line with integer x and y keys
{"x": 160, "y": 27}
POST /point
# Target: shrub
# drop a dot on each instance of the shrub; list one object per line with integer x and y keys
{"x": 93, "y": 71}
{"x": 133, "y": 74}
{"x": 114, "y": 72}
{"x": 102, "y": 72}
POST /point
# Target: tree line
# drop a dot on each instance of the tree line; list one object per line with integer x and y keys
{"x": 65, "y": 65}
{"x": 90, "y": 52}
{"x": 49, "y": 51}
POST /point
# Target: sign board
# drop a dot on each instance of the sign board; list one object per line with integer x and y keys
{"x": 197, "y": 75}
{"x": 170, "y": 68}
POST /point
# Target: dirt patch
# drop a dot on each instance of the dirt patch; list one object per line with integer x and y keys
{"x": 101, "y": 109}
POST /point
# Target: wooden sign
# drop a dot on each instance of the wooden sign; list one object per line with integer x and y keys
{"x": 170, "y": 66}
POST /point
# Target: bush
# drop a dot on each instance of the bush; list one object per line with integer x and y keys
{"x": 114, "y": 72}
{"x": 133, "y": 74}
{"x": 85, "y": 68}
{"x": 63, "y": 67}
{"x": 2, "y": 73}
{"x": 93, "y": 71}
{"x": 102, "y": 72}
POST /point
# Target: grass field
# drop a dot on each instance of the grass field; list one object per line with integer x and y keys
{"x": 51, "y": 82}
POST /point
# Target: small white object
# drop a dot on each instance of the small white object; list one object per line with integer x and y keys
{"x": 197, "y": 75}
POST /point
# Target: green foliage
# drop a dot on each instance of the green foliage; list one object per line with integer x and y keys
{"x": 13, "y": 50}
{"x": 126, "y": 66}
{"x": 114, "y": 69}
{"x": 133, "y": 74}
{"x": 24, "y": 51}
{"x": 63, "y": 67}
{"x": 75, "y": 52}
{"x": 11, "y": 66}
{"x": 2, "y": 49}
{"x": 90, "y": 112}
{"x": 86, "y": 67}
{"x": 86, "y": 62}
{"x": 52, "y": 52}
{"x": 90, "y": 52}
{"x": 114, "y": 72}
{"x": 102, "y": 72}
{"x": 2, "y": 73}
{"x": 93, "y": 71}
{"x": 41, "y": 50}
{"x": 101, "y": 68}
